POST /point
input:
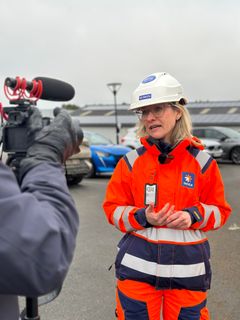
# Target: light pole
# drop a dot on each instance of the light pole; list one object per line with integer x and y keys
{"x": 114, "y": 87}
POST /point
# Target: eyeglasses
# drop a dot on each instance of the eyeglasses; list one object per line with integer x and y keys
{"x": 156, "y": 111}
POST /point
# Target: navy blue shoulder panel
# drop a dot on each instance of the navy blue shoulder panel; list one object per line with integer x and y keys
{"x": 141, "y": 150}
{"x": 194, "y": 151}
{"x": 131, "y": 156}
{"x": 203, "y": 158}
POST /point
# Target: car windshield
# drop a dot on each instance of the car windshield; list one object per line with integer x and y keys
{"x": 230, "y": 132}
{"x": 96, "y": 139}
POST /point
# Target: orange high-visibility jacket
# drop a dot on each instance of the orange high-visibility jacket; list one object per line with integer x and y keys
{"x": 190, "y": 180}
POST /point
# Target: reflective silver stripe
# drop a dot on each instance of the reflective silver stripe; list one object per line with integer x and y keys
{"x": 132, "y": 156}
{"x": 125, "y": 216}
{"x": 117, "y": 215}
{"x": 208, "y": 210}
{"x": 162, "y": 270}
{"x": 173, "y": 235}
{"x": 124, "y": 212}
{"x": 202, "y": 158}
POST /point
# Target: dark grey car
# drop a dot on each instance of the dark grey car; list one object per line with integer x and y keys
{"x": 227, "y": 137}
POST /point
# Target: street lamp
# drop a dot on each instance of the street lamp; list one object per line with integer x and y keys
{"x": 114, "y": 87}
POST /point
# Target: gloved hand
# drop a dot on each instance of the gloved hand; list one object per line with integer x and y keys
{"x": 53, "y": 143}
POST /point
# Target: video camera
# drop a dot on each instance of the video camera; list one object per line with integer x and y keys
{"x": 23, "y": 96}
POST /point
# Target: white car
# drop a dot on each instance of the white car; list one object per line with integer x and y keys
{"x": 211, "y": 147}
{"x": 130, "y": 140}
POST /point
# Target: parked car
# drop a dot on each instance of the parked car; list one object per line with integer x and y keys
{"x": 130, "y": 139}
{"x": 79, "y": 165}
{"x": 228, "y": 138}
{"x": 212, "y": 147}
{"x": 105, "y": 154}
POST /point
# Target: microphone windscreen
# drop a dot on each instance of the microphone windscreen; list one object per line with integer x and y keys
{"x": 56, "y": 90}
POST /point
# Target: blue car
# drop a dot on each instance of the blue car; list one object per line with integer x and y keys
{"x": 105, "y": 154}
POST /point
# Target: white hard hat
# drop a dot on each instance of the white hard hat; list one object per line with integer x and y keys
{"x": 157, "y": 88}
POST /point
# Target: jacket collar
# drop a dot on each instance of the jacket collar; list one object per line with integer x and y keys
{"x": 149, "y": 144}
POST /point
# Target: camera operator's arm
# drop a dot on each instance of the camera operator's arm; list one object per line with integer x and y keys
{"x": 38, "y": 224}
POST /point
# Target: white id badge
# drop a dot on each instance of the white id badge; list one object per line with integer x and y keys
{"x": 150, "y": 194}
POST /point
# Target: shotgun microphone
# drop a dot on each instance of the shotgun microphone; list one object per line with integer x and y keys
{"x": 52, "y": 89}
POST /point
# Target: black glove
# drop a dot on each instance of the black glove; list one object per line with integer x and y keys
{"x": 53, "y": 143}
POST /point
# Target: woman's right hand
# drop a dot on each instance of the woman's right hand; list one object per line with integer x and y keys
{"x": 158, "y": 218}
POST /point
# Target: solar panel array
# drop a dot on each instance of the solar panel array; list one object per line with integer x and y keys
{"x": 202, "y": 112}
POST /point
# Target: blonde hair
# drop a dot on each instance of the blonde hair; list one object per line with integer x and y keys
{"x": 182, "y": 129}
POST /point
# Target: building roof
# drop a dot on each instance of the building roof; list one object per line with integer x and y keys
{"x": 226, "y": 113}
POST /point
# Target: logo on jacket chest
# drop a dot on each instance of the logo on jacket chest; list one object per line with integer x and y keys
{"x": 188, "y": 179}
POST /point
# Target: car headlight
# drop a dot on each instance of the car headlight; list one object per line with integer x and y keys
{"x": 102, "y": 154}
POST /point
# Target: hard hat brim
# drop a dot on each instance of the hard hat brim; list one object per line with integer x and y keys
{"x": 183, "y": 101}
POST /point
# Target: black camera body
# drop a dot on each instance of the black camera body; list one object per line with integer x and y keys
{"x": 14, "y": 134}
{"x": 15, "y": 137}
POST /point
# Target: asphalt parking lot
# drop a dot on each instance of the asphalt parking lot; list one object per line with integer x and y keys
{"x": 88, "y": 292}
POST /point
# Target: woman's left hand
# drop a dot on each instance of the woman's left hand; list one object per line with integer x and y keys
{"x": 179, "y": 220}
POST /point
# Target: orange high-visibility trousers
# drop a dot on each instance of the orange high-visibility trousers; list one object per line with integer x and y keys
{"x": 141, "y": 301}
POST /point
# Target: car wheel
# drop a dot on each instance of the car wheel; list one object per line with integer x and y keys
{"x": 74, "y": 180}
{"x": 91, "y": 173}
{"x": 235, "y": 155}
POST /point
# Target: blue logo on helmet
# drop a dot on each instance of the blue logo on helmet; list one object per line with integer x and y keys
{"x": 149, "y": 79}
{"x": 145, "y": 96}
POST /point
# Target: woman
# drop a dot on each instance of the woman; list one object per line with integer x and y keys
{"x": 164, "y": 196}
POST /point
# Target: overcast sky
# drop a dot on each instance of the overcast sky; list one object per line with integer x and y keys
{"x": 94, "y": 42}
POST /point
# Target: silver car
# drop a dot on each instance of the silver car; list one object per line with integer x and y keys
{"x": 227, "y": 137}
{"x": 78, "y": 165}
{"x": 213, "y": 148}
